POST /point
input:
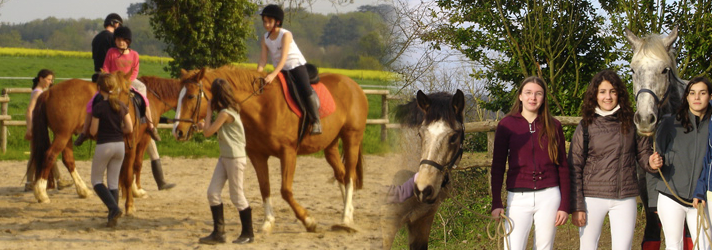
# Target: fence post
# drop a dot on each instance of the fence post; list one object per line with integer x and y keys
{"x": 3, "y": 131}
{"x": 384, "y": 115}
{"x": 490, "y": 144}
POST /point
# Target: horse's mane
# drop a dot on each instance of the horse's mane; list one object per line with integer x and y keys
{"x": 411, "y": 115}
{"x": 652, "y": 46}
{"x": 166, "y": 88}
{"x": 241, "y": 77}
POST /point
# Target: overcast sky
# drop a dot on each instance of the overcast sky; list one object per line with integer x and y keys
{"x": 22, "y": 11}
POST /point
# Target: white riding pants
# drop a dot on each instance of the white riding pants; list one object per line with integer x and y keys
{"x": 621, "y": 214}
{"x": 538, "y": 206}
{"x": 231, "y": 170}
{"x": 672, "y": 217}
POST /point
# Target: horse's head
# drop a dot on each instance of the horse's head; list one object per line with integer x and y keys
{"x": 441, "y": 131}
{"x": 192, "y": 103}
{"x": 654, "y": 71}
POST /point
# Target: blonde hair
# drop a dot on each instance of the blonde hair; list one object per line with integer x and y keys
{"x": 110, "y": 84}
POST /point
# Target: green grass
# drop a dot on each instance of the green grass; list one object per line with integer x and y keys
{"x": 72, "y": 67}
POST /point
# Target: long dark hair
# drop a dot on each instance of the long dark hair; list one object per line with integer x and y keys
{"x": 44, "y": 73}
{"x": 223, "y": 96}
{"x": 682, "y": 114}
{"x": 110, "y": 84}
{"x": 590, "y": 102}
{"x": 546, "y": 117}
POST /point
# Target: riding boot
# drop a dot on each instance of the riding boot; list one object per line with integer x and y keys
{"x": 247, "y": 235}
{"x": 314, "y": 111}
{"x": 80, "y": 139}
{"x": 218, "y": 234}
{"x": 115, "y": 194}
{"x": 110, "y": 202}
{"x": 158, "y": 175}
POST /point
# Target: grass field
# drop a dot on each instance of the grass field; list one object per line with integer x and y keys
{"x": 82, "y": 67}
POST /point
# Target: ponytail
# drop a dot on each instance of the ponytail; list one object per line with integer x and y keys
{"x": 35, "y": 81}
{"x": 109, "y": 84}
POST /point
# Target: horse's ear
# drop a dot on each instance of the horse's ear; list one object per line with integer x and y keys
{"x": 183, "y": 73}
{"x": 199, "y": 75}
{"x": 423, "y": 101}
{"x": 632, "y": 39}
{"x": 670, "y": 38}
{"x": 458, "y": 104}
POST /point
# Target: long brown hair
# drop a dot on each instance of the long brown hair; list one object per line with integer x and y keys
{"x": 223, "y": 96}
{"x": 110, "y": 84}
{"x": 590, "y": 101}
{"x": 545, "y": 116}
{"x": 682, "y": 113}
{"x": 44, "y": 73}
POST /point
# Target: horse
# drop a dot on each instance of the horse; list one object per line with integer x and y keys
{"x": 62, "y": 111}
{"x": 438, "y": 118}
{"x": 655, "y": 81}
{"x": 271, "y": 130}
{"x": 654, "y": 75}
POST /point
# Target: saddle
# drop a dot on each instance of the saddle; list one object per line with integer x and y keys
{"x": 139, "y": 104}
{"x": 326, "y": 100}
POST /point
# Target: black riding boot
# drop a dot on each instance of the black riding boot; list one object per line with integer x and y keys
{"x": 314, "y": 111}
{"x": 247, "y": 235}
{"x": 218, "y": 234}
{"x": 110, "y": 202}
{"x": 115, "y": 194}
{"x": 158, "y": 175}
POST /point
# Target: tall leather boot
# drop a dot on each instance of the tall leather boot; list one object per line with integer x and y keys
{"x": 218, "y": 234}
{"x": 108, "y": 199}
{"x": 158, "y": 175}
{"x": 247, "y": 235}
{"x": 314, "y": 111}
{"x": 115, "y": 194}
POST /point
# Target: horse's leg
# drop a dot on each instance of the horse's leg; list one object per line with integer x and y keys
{"x": 138, "y": 191}
{"x": 419, "y": 230}
{"x": 391, "y": 222}
{"x": 40, "y": 191}
{"x": 68, "y": 160}
{"x": 126, "y": 178}
{"x": 288, "y": 161}
{"x": 331, "y": 153}
{"x": 259, "y": 162}
{"x": 352, "y": 156}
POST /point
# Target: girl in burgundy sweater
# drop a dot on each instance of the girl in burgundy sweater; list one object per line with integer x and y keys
{"x": 538, "y": 186}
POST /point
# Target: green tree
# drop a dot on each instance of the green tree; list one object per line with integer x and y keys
{"x": 693, "y": 19}
{"x": 201, "y": 33}
{"x": 559, "y": 41}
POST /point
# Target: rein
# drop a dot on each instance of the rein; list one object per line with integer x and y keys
{"x": 159, "y": 97}
{"x": 257, "y": 91}
{"x": 196, "y": 111}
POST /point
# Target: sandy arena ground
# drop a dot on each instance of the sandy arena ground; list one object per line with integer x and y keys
{"x": 176, "y": 218}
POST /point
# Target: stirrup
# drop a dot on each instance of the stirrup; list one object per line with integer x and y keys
{"x": 316, "y": 128}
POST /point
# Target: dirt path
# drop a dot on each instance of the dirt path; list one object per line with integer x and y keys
{"x": 176, "y": 218}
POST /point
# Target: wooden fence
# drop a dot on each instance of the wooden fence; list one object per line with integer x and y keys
{"x": 6, "y": 120}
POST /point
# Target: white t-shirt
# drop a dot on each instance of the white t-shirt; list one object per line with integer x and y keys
{"x": 294, "y": 58}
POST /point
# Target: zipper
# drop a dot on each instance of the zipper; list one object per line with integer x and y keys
{"x": 531, "y": 140}
{"x": 620, "y": 161}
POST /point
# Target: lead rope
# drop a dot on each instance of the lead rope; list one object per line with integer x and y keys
{"x": 500, "y": 230}
{"x": 702, "y": 221}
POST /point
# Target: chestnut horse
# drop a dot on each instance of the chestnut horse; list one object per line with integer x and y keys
{"x": 439, "y": 118}
{"x": 271, "y": 130}
{"x": 62, "y": 109}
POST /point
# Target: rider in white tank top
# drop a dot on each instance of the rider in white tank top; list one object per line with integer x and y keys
{"x": 294, "y": 58}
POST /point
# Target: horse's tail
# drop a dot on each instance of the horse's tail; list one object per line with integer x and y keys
{"x": 359, "y": 169}
{"x": 40, "y": 133}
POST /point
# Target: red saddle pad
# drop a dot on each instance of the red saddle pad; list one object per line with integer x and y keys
{"x": 326, "y": 101}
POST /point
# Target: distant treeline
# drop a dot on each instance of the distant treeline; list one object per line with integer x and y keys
{"x": 352, "y": 40}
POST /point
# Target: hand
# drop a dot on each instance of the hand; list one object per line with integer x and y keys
{"x": 655, "y": 161}
{"x": 200, "y": 125}
{"x": 561, "y": 218}
{"x": 28, "y": 135}
{"x": 270, "y": 77}
{"x": 496, "y": 214}
{"x": 578, "y": 218}
{"x": 695, "y": 201}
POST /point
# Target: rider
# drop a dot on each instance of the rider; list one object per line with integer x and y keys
{"x": 286, "y": 57}
{"x": 126, "y": 60}
{"x": 103, "y": 41}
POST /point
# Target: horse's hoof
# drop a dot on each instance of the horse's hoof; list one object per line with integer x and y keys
{"x": 140, "y": 193}
{"x": 310, "y": 224}
{"x": 267, "y": 227}
{"x": 344, "y": 228}
{"x": 83, "y": 193}
{"x": 130, "y": 212}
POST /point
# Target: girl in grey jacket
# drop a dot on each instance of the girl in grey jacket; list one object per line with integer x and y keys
{"x": 681, "y": 144}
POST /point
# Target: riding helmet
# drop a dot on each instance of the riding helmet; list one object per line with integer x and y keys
{"x": 112, "y": 19}
{"x": 275, "y": 12}
{"x": 123, "y": 32}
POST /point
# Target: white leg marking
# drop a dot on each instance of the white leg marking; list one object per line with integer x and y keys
{"x": 348, "y": 204}
{"x": 81, "y": 187}
{"x": 41, "y": 191}
{"x": 269, "y": 216}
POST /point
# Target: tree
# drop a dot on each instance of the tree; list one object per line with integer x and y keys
{"x": 692, "y": 18}
{"x": 559, "y": 41}
{"x": 201, "y": 33}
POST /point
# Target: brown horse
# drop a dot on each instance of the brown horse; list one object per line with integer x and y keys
{"x": 271, "y": 130}
{"x": 439, "y": 120}
{"x": 62, "y": 110}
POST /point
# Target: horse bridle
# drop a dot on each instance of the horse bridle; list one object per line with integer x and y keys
{"x": 196, "y": 111}
{"x": 658, "y": 101}
{"x": 453, "y": 160}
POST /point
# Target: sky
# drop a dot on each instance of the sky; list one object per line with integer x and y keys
{"x": 22, "y": 11}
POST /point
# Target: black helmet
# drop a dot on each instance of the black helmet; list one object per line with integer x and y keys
{"x": 112, "y": 19}
{"x": 123, "y": 32}
{"x": 275, "y": 12}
